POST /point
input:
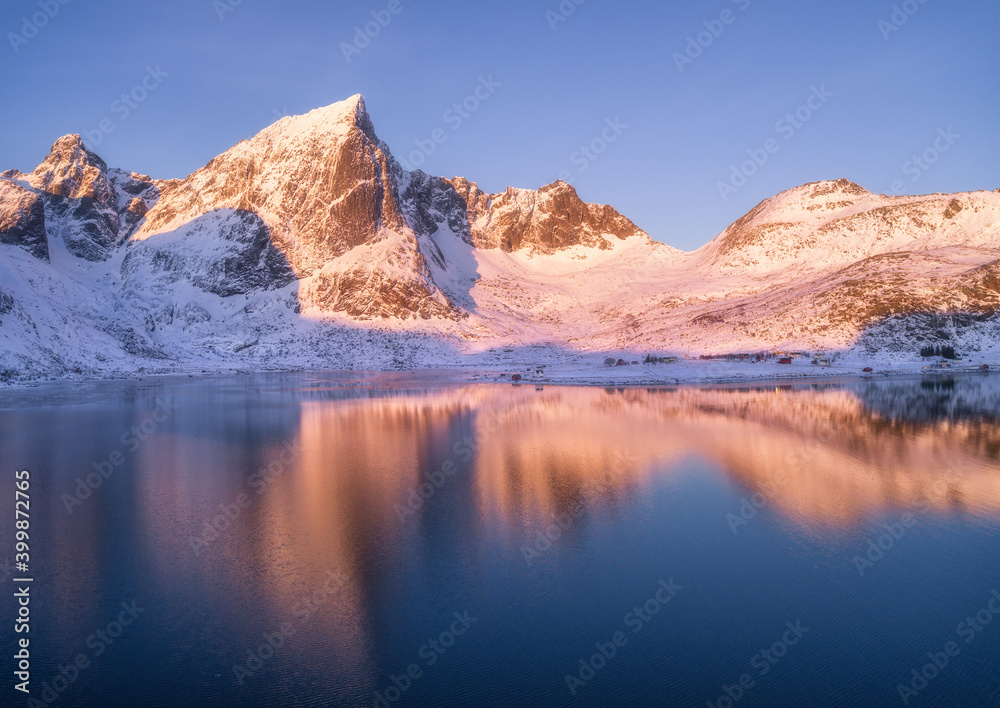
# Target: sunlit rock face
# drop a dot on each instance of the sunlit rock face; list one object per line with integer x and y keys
{"x": 544, "y": 220}
{"x": 74, "y": 172}
{"x": 91, "y": 209}
{"x": 356, "y": 228}
{"x": 313, "y": 222}
{"x": 22, "y": 220}
{"x": 80, "y": 198}
{"x": 322, "y": 178}
{"x": 323, "y": 186}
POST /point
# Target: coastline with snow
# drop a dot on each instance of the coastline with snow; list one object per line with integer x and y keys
{"x": 310, "y": 248}
{"x": 542, "y": 370}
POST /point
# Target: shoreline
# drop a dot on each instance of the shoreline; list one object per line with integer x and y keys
{"x": 687, "y": 373}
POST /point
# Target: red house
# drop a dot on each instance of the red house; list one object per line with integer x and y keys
{"x": 785, "y": 360}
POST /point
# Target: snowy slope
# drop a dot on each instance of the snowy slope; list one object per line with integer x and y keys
{"x": 308, "y": 246}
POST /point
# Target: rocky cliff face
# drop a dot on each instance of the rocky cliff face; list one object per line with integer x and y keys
{"x": 80, "y": 198}
{"x": 323, "y": 179}
{"x": 248, "y": 262}
{"x": 356, "y": 229}
{"x": 322, "y": 185}
{"x": 309, "y": 245}
{"x": 22, "y": 220}
{"x": 547, "y": 220}
{"x": 90, "y": 208}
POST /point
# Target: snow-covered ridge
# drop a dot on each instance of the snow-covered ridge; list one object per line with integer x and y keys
{"x": 309, "y": 246}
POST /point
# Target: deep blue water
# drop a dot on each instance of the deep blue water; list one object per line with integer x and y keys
{"x": 699, "y": 538}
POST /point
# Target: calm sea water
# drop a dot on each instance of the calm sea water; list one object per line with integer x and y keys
{"x": 335, "y": 540}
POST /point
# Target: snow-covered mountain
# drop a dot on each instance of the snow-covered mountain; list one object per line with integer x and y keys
{"x": 309, "y": 246}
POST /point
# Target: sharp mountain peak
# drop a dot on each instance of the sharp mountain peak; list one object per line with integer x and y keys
{"x": 313, "y": 216}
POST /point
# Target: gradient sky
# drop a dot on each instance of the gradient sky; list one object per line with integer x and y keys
{"x": 559, "y": 82}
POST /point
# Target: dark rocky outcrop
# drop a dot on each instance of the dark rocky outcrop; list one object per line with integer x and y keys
{"x": 545, "y": 220}
{"x": 248, "y": 262}
{"x": 80, "y": 195}
{"x": 22, "y": 219}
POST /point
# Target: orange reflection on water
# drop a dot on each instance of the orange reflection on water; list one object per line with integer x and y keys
{"x": 821, "y": 457}
{"x": 343, "y": 493}
{"x": 517, "y": 456}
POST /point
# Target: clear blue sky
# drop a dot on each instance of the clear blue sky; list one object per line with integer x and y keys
{"x": 228, "y": 78}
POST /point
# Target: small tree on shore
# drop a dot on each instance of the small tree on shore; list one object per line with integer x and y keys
{"x": 945, "y": 352}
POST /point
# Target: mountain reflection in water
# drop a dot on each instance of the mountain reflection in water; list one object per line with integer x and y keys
{"x": 532, "y": 507}
{"x": 824, "y": 456}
